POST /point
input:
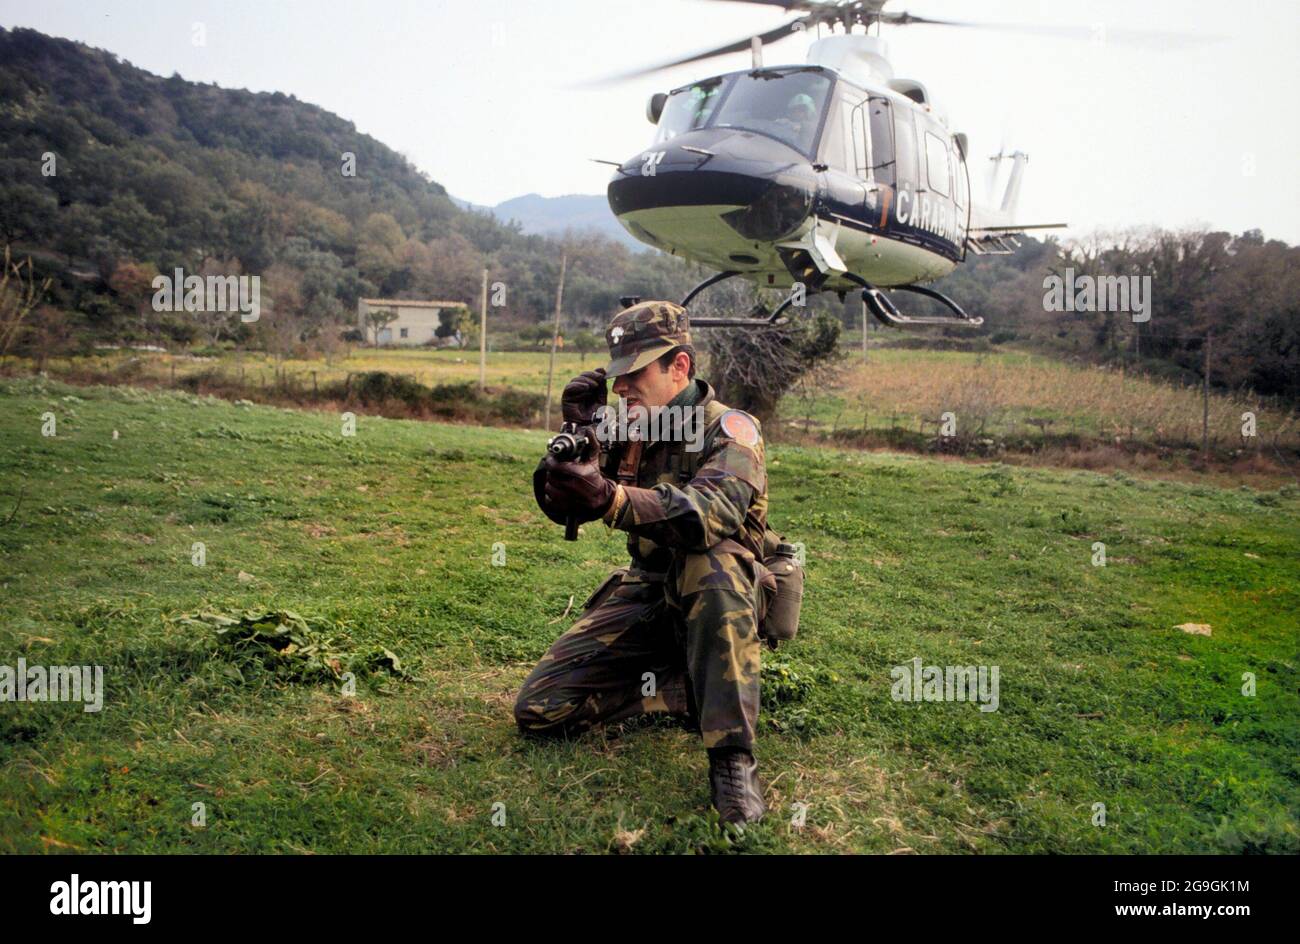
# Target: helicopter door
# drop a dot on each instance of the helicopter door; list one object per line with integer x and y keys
{"x": 881, "y": 161}
{"x": 872, "y": 135}
{"x": 880, "y": 115}
{"x": 907, "y": 177}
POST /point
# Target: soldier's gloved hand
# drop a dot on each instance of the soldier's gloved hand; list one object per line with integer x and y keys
{"x": 582, "y": 395}
{"x": 539, "y": 493}
{"x": 577, "y": 488}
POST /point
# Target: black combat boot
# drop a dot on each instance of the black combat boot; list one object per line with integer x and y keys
{"x": 733, "y": 782}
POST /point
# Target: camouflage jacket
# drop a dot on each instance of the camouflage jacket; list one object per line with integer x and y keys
{"x": 679, "y": 499}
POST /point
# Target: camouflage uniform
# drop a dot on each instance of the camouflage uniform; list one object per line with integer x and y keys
{"x": 688, "y": 607}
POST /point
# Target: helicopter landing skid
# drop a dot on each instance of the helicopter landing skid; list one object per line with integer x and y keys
{"x": 880, "y": 305}
{"x": 771, "y": 321}
{"x": 886, "y": 312}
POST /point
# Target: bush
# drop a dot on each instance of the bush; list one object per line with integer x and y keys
{"x": 376, "y": 386}
{"x": 180, "y": 330}
{"x": 397, "y": 394}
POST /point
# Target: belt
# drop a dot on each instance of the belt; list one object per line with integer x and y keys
{"x": 726, "y": 546}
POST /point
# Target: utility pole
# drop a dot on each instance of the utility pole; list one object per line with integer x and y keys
{"x": 555, "y": 336}
{"x": 482, "y": 333}
{"x": 864, "y": 330}
{"x": 1205, "y": 399}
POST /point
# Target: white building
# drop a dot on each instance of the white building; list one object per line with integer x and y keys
{"x": 415, "y": 324}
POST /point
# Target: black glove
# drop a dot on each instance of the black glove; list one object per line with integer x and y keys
{"x": 539, "y": 493}
{"x": 576, "y": 488}
{"x": 582, "y": 395}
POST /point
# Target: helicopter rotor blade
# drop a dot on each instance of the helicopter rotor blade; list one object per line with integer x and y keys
{"x": 828, "y": 8}
{"x": 843, "y": 14}
{"x": 740, "y": 45}
{"x": 786, "y": 5}
{"x": 817, "y": 13}
{"x": 806, "y": 6}
{"x": 1059, "y": 32}
{"x": 866, "y": 11}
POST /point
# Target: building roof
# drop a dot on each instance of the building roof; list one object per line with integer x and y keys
{"x": 412, "y": 303}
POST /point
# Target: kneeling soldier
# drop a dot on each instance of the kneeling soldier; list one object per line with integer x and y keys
{"x": 678, "y": 629}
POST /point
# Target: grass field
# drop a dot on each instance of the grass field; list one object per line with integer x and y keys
{"x": 387, "y": 539}
{"x": 1000, "y": 393}
{"x": 525, "y": 370}
{"x": 1027, "y": 397}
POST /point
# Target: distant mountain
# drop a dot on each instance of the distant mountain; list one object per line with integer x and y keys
{"x": 171, "y": 172}
{"x": 547, "y": 216}
{"x": 108, "y": 169}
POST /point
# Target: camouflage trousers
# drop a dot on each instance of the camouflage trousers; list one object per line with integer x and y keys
{"x": 685, "y": 643}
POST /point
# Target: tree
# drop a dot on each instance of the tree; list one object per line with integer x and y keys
{"x": 378, "y": 245}
{"x": 586, "y": 342}
{"x": 214, "y": 323}
{"x": 280, "y": 323}
{"x": 77, "y": 232}
{"x": 456, "y": 268}
{"x": 19, "y": 294}
{"x": 378, "y": 320}
{"x": 454, "y": 323}
{"x": 26, "y": 212}
{"x": 753, "y": 368}
{"x": 47, "y": 335}
{"x": 132, "y": 282}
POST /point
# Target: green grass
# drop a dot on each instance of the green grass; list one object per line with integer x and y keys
{"x": 1025, "y": 400}
{"x": 523, "y": 370}
{"x": 388, "y": 536}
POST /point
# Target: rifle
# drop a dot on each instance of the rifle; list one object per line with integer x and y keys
{"x": 573, "y": 443}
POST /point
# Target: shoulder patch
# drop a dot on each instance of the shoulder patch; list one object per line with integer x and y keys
{"x": 740, "y": 427}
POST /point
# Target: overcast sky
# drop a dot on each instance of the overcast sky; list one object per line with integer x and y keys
{"x": 479, "y": 94}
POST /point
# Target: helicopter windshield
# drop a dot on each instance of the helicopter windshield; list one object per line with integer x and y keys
{"x": 688, "y": 108}
{"x": 784, "y": 105}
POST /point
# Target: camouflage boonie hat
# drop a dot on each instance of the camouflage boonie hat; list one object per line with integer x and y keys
{"x": 639, "y": 334}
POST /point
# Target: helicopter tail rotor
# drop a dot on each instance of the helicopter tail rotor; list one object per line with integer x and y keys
{"x": 1011, "y": 195}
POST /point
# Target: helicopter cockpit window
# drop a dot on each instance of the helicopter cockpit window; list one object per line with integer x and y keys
{"x": 688, "y": 109}
{"x": 785, "y": 106}
{"x": 861, "y": 158}
{"x": 837, "y": 149}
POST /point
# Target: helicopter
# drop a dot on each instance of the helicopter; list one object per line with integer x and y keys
{"x": 828, "y": 176}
